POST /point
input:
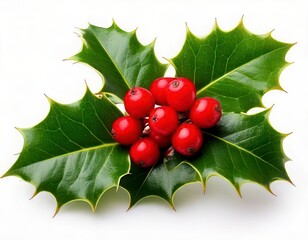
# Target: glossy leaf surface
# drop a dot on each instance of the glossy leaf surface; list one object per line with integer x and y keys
{"x": 71, "y": 153}
{"x": 242, "y": 148}
{"x": 157, "y": 181}
{"x": 235, "y": 67}
{"x": 120, "y": 58}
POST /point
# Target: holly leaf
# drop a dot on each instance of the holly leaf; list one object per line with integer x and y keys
{"x": 120, "y": 58}
{"x": 71, "y": 153}
{"x": 241, "y": 148}
{"x": 157, "y": 181}
{"x": 235, "y": 67}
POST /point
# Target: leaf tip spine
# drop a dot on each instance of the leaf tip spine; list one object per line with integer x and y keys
{"x": 86, "y": 85}
{"x": 241, "y": 22}
{"x": 171, "y": 203}
{"x": 188, "y": 32}
{"x": 56, "y": 211}
{"x": 152, "y": 44}
{"x": 134, "y": 31}
{"x": 129, "y": 207}
{"x": 291, "y": 182}
{"x": 93, "y": 206}
{"x": 268, "y": 188}
{"x": 242, "y": 18}
{"x": 50, "y": 100}
{"x": 270, "y": 33}
{"x": 73, "y": 58}
{"x": 79, "y": 32}
{"x": 113, "y": 22}
{"x": 170, "y": 62}
{"x": 34, "y": 194}
{"x": 21, "y": 130}
{"x": 238, "y": 190}
{"x": 131, "y": 204}
{"x": 203, "y": 183}
{"x": 216, "y": 26}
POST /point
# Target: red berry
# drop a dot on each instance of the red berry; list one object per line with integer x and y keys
{"x": 161, "y": 140}
{"x": 163, "y": 120}
{"x": 205, "y": 112}
{"x": 187, "y": 139}
{"x": 126, "y": 130}
{"x": 180, "y": 94}
{"x": 144, "y": 152}
{"x": 138, "y": 102}
{"x": 158, "y": 89}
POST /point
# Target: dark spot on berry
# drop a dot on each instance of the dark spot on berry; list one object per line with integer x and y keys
{"x": 141, "y": 163}
{"x": 217, "y": 108}
{"x": 191, "y": 150}
{"x": 175, "y": 84}
{"x": 154, "y": 118}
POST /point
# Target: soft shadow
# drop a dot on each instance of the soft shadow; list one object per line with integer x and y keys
{"x": 153, "y": 202}
{"x": 111, "y": 201}
{"x": 188, "y": 195}
{"x": 221, "y": 194}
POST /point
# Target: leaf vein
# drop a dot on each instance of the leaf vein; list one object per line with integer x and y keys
{"x": 237, "y": 68}
{"x": 244, "y": 150}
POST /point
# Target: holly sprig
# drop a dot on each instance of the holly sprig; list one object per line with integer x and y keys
{"x": 72, "y": 155}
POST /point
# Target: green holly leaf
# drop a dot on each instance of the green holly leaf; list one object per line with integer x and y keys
{"x": 157, "y": 181}
{"x": 120, "y": 58}
{"x": 235, "y": 67}
{"x": 71, "y": 153}
{"x": 241, "y": 148}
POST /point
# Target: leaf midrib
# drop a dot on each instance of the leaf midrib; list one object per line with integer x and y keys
{"x": 63, "y": 155}
{"x": 112, "y": 60}
{"x": 244, "y": 150}
{"x": 237, "y": 68}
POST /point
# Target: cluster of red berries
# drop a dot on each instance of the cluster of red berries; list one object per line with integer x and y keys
{"x": 167, "y": 115}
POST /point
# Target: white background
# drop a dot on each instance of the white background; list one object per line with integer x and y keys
{"x": 35, "y": 36}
